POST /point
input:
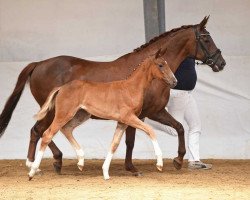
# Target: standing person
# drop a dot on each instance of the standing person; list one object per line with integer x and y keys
{"x": 182, "y": 106}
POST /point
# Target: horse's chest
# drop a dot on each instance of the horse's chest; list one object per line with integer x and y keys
{"x": 155, "y": 99}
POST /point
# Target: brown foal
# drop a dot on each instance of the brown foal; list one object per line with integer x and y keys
{"x": 121, "y": 101}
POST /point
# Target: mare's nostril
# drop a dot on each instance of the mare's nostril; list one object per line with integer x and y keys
{"x": 223, "y": 63}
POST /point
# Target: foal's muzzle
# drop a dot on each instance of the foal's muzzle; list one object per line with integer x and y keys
{"x": 171, "y": 83}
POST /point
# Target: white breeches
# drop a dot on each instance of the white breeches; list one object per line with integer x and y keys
{"x": 182, "y": 106}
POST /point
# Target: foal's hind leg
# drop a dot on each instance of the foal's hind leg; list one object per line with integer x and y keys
{"x": 135, "y": 122}
{"x": 46, "y": 139}
{"x": 80, "y": 117}
{"x": 120, "y": 128}
{"x": 61, "y": 118}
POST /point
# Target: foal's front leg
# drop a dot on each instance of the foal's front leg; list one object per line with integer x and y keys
{"x": 137, "y": 123}
{"x": 120, "y": 128}
{"x": 165, "y": 118}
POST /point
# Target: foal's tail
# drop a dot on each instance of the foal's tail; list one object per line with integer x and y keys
{"x": 11, "y": 103}
{"x": 48, "y": 105}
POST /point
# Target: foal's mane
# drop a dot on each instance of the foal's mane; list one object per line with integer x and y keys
{"x": 161, "y": 36}
{"x": 140, "y": 65}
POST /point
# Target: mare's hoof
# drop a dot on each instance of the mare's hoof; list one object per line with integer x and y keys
{"x": 177, "y": 163}
{"x": 57, "y": 167}
{"x": 80, "y": 167}
{"x": 30, "y": 177}
{"x": 133, "y": 170}
{"x": 159, "y": 167}
{"x": 137, "y": 174}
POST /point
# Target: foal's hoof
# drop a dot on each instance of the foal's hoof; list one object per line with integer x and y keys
{"x": 39, "y": 172}
{"x": 30, "y": 177}
{"x": 80, "y": 167}
{"x": 159, "y": 167}
{"x": 106, "y": 176}
{"x": 57, "y": 167}
{"x": 177, "y": 163}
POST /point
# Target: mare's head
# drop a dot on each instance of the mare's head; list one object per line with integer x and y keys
{"x": 205, "y": 49}
{"x": 161, "y": 69}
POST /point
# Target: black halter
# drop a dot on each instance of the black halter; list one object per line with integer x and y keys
{"x": 209, "y": 59}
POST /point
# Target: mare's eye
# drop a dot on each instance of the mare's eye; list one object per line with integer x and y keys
{"x": 207, "y": 41}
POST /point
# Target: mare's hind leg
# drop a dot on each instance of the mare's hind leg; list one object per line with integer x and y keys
{"x": 36, "y": 133}
{"x": 135, "y": 122}
{"x": 80, "y": 117}
{"x": 120, "y": 128}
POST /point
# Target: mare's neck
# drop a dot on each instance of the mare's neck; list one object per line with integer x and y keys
{"x": 179, "y": 44}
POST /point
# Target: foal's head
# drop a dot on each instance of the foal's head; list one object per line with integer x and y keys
{"x": 161, "y": 69}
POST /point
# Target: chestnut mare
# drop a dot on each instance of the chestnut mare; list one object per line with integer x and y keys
{"x": 186, "y": 41}
{"x": 121, "y": 101}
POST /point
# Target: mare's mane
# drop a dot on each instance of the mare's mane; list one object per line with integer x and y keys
{"x": 161, "y": 36}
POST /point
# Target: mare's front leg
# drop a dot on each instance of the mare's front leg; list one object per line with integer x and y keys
{"x": 35, "y": 134}
{"x": 165, "y": 118}
{"x": 130, "y": 141}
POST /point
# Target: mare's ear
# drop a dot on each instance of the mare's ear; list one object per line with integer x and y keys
{"x": 158, "y": 53}
{"x": 203, "y": 23}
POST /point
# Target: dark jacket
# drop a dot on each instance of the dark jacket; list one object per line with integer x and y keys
{"x": 186, "y": 75}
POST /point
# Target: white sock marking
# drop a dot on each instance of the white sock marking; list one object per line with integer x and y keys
{"x": 36, "y": 163}
{"x": 28, "y": 163}
{"x": 106, "y": 164}
{"x": 80, "y": 156}
{"x": 158, "y": 152}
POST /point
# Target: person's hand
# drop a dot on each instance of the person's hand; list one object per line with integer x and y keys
{"x": 161, "y": 127}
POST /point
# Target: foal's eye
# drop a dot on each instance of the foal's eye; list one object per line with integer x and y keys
{"x": 160, "y": 65}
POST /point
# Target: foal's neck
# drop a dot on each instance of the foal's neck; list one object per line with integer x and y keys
{"x": 142, "y": 75}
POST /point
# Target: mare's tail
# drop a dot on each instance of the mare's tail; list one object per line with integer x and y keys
{"x": 48, "y": 105}
{"x": 12, "y": 101}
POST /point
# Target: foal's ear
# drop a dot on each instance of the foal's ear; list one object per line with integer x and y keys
{"x": 158, "y": 53}
{"x": 203, "y": 23}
